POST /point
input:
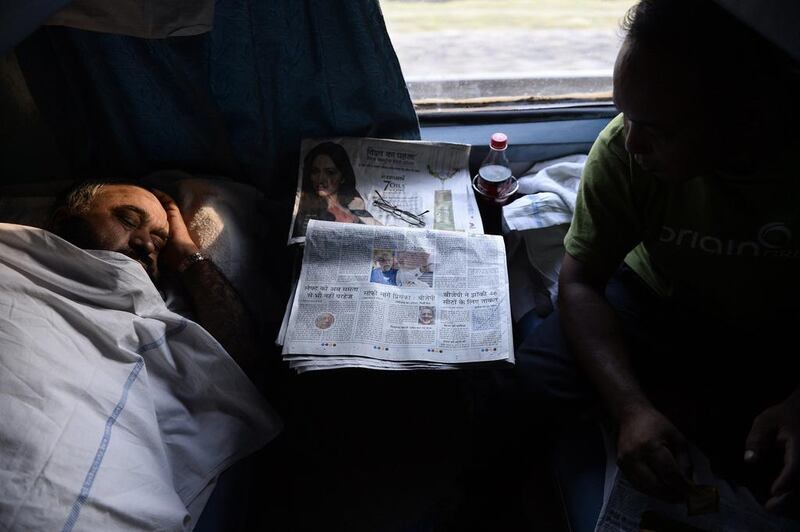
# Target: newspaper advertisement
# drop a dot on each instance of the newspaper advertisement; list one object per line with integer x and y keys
{"x": 625, "y": 509}
{"x": 384, "y": 182}
{"x": 396, "y": 298}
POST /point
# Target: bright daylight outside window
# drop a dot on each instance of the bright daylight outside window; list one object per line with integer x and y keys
{"x": 458, "y": 54}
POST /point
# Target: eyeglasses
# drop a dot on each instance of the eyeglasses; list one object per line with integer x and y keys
{"x": 408, "y": 217}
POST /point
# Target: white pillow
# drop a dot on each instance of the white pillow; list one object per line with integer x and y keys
{"x": 225, "y": 220}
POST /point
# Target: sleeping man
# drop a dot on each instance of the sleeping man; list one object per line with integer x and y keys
{"x": 147, "y": 226}
{"x": 115, "y": 412}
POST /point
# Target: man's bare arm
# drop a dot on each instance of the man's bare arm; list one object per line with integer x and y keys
{"x": 593, "y": 332}
{"x": 651, "y": 451}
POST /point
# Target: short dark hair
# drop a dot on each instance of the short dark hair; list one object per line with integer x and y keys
{"x": 742, "y": 74}
{"x": 66, "y": 214}
{"x": 79, "y": 197}
{"x": 703, "y": 35}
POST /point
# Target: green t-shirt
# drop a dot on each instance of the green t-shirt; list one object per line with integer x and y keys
{"x": 724, "y": 244}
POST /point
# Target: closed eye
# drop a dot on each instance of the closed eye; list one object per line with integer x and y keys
{"x": 158, "y": 241}
{"x": 130, "y": 216}
{"x": 128, "y": 221}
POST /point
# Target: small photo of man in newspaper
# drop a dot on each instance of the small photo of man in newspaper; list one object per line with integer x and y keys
{"x": 324, "y": 321}
{"x": 415, "y": 269}
{"x": 426, "y": 315}
{"x": 384, "y": 267}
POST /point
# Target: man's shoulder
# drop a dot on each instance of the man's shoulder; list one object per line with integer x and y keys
{"x": 608, "y": 164}
{"x": 611, "y": 140}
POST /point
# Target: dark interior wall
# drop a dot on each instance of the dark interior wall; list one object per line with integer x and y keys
{"x": 28, "y": 150}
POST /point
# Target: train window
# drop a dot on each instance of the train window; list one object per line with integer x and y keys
{"x": 500, "y": 54}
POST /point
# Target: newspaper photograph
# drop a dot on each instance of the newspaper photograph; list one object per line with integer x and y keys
{"x": 384, "y": 182}
{"x": 396, "y": 298}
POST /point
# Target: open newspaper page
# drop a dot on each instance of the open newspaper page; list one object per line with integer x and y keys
{"x": 396, "y": 298}
{"x": 625, "y": 509}
{"x": 370, "y": 181}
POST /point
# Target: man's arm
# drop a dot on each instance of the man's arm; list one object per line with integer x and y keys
{"x": 217, "y": 306}
{"x": 220, "y": 311}
{"x": 650, "y": 450}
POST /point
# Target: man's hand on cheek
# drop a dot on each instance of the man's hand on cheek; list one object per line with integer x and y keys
{"x": 180, "y": 244}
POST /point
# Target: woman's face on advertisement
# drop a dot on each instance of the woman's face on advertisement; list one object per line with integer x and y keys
{"x": 325, "y": 176}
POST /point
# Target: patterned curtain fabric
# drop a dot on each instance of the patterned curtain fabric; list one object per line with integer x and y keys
{"x": 234, "y": 102}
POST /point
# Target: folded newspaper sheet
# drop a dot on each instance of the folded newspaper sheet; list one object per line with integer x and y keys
{"x": 625, "y": 509}
{"x": 395, "y": 298}
{"x": 381, "y": 182}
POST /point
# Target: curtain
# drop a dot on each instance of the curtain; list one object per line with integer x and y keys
{"x": 233, "y": 102}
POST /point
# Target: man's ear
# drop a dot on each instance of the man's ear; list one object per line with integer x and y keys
{"x": 57, "y": 219}
{"x": 71, "y": 228}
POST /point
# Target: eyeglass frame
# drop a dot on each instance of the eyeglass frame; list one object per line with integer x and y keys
{"x": 408, "y": 217}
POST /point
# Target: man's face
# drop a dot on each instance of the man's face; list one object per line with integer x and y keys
{"x": 129, "y": 220}
{"x": 426, "y": 316}
{"x": 412, "y": 260}
{"x": 384, "y": 261}
{"x": 324, "y": 321}
{"x": 664, "y": 127}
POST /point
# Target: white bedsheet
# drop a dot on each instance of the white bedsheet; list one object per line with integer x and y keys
{"x": 115, "y": 413}
{"x": 535, "y": 226}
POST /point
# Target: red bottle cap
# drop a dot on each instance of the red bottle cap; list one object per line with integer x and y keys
{"x": 499, "y": 141}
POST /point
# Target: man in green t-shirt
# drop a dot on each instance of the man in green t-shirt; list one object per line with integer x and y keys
{"x": 681, "y": 278}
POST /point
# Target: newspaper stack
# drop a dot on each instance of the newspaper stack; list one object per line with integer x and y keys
{"x": 396, "y": 298}
{"x": 397, "y": 273}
